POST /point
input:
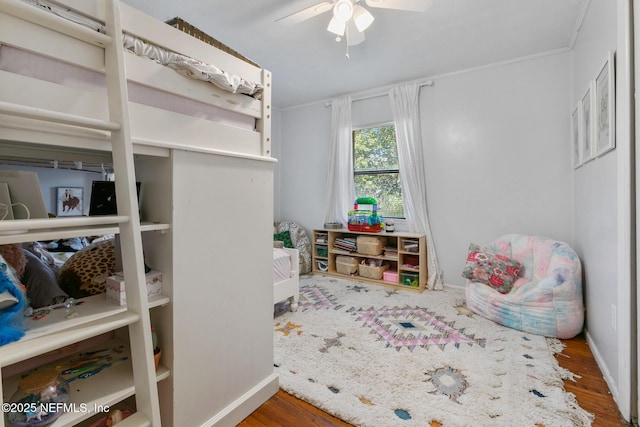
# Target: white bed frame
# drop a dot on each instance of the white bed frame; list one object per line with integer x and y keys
{"x": 211, "y": 373}
{"x": 152, "y": 129}
{"x": 289, "y": 288}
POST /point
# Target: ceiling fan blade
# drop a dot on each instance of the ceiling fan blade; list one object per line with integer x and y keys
{"x": 354, "y": 36}
{"x": 410, "y": 5}
{"x": 304, "y": 14}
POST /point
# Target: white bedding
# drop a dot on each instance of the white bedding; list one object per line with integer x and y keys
{"x": 286, "y": 279}
{"x": 281, "y": 265}
{"x": 184, "y": 65}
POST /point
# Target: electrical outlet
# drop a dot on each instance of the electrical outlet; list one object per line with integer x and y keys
{"x": 614, "y": 317}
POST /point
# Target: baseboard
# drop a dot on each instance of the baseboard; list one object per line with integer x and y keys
{"x": 456, "y": 287}
{"x": 242, "y": 407}
{"x": 603, "y": 368}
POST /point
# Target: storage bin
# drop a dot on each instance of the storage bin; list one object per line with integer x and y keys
{"x": 410, "y": 245}
{"x": 322, "y": 251}
{"x": 370, "y": 245}
{"x": 322, "y": 265}
{"x": 370, "y": 272}
{"x": 390, "y": 276}
{"x": 347, "y": 265}
{"x": 115, "y": 286}
{"x": 410, "y": 279}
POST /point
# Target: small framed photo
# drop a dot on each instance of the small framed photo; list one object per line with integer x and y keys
{"x": 586, "y": 125}
{"x": 575, "y": 137}
{"x": 69, "y": 201}
{"x": 604, "y": 111}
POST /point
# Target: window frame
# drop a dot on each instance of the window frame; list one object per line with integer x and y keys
{"x": 354, "y": 129}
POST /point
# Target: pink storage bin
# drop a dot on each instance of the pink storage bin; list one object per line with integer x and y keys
{"x": 390, "y": 276}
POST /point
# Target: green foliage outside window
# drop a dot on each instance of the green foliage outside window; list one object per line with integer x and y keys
{"x": 376, "y": 169}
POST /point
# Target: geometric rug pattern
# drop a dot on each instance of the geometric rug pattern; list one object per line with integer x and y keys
{"x": 409, "y": 328}
{"x": 375, "y": 356}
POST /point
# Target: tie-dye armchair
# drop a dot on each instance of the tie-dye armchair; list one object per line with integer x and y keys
{"x": 546, "y": 294}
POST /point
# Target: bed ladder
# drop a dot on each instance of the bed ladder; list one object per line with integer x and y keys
{"x": 145, "y": 384}
{"x": 136, "y": 316}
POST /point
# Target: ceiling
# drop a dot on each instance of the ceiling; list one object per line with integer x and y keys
{"x": 308, "y": 65}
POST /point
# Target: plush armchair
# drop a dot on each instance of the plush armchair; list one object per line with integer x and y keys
{"x": 546, "y": 296}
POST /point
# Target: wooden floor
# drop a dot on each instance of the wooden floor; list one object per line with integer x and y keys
{"x": 592, "y": 393}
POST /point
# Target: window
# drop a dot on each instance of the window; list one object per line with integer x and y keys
{"x": 376, "y": 170}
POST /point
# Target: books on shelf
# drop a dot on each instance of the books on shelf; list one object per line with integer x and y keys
{"x": 391, "y": 251}
{"x": 347, "y": 244}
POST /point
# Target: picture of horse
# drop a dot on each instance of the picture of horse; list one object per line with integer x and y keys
{"x": 69, "y": 201}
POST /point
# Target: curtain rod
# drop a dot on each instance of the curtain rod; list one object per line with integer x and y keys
{"x": 378, "y": 95}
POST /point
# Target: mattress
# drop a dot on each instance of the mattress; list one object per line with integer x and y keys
{"x": 281, "y": 265}
{"x": 19, "y": 61}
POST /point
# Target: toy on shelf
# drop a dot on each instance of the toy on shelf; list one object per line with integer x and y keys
{"x": 364, "y": 216}
{"x": 156, "y": 350}
{"x": 39, "y": 400}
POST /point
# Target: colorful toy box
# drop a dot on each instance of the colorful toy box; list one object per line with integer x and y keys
{"x": 410, "y": 279}
{"x": 364, "y": 216}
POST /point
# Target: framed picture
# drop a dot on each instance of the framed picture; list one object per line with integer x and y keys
{"x": 575, "y": 137}
{"x": 604, "y": 111}
{"x": 586, "y": 125}
{"x": 69, "y": 201}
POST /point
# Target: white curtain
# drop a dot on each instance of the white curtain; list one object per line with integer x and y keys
{"x": 340, "y": 192}
{"x": 406, "y": 114}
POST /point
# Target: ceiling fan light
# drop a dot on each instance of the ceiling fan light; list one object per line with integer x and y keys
{"x": 343, "y": 10}
{"x": 337, "y": 26}
{"x": 362, "y": 18}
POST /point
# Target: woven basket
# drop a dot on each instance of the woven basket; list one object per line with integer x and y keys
{"x": 372, "y": 272}
{"x": 347, "y": 265}
{"x": 185, "y": 27}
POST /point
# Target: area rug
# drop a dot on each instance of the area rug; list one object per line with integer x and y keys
{"x": 376, "y": 356}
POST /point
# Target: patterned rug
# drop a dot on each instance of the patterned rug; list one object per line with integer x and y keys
{"x": 375, "y": 356}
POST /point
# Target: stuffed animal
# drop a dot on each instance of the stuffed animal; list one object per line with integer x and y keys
{"x": 14, "y": 301}
{"x": 14, "y": 256}
{"x": 34, "y": 276}
{"x": 86, "y": 272}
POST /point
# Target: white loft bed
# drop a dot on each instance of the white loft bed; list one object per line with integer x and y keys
{"x": 66, "y": 111}
{"x": 240, "y": 123}
{"x": 286, "y": 278}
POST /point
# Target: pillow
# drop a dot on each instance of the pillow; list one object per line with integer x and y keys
{"x": 86, "y": 272}
{"x": 284, "y": 237}
{"x": 41, "y": 282}
{"x": 492, "y": 269}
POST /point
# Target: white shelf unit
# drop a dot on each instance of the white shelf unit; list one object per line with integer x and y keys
{"x": 91, "y": 396}
{"x": 95, "y": 316}
{"x": 202, "y": 180}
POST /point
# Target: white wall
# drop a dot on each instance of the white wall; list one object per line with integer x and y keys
{"x": 303, "y": 163}
{"x": 596, "y": 201}
{"x": 496, "y": 155}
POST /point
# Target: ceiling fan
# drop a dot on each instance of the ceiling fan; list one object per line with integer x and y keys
{"x": 350, "y": 17}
